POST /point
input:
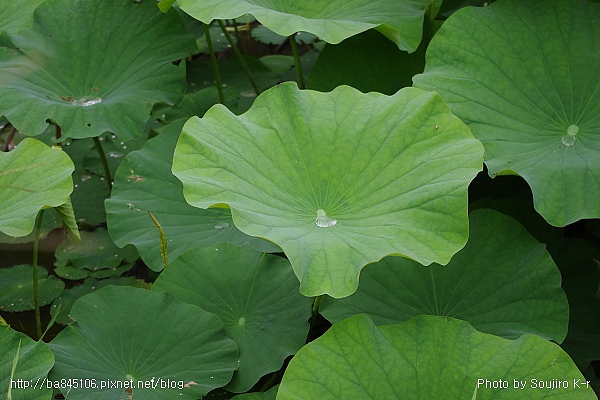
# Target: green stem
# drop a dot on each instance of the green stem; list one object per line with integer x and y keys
{"x": 36, "y": 299}
{"x": 239, "y": 56}
{"x": 104, "y": 163}
{"x": 237, "y": 33}
{"x": 213, "y": 61}
{"x": 315, "y": 311}
{"x": 299, "y": 76}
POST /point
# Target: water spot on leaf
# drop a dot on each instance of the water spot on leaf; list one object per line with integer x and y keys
{"x": 568, "y": 140}
{"x": 323, "y": 220}
{"x": 222, "y": 225}
{"x": 85, "y": 177}
{"x": 242, "y": 321}
{"x": 572, "y": 130}
{"x": 115, "y": 154}
{"x": 86, "y": 101}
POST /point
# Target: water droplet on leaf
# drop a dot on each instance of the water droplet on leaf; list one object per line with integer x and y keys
{"x": 568, "y": 140}
{"x": 223, "y": 225}
{"x": 323, "y": 220}
{"x": 86, "y": 101}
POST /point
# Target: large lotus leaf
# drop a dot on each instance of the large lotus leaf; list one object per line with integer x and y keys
{"x": 16, "y": 15}
{"x": 32, "y": 176}
{"x": 33, "y": 361}
{"x": 333, "y": 20}
{"x": 61, "y": 306}
{"x": 524, "y": 75}
{"x": 337, "y": 180}
{"x": 93, "y": 66}
{"x": 139, "y": 338}
{"x": 16, "y": 288}
{"x": 502, "y": 282}
{"x": 255, "y": 295}
{"x": 368, "y": 62}
{"x": 143, "y": 183}
{"x": 428, "y": 357}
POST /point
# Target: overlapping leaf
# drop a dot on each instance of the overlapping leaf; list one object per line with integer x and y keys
{"x": 333, "y": 21}
{"x": 255, "y": 295}
{"x": 337, "y": 179}
{"x": 135, "y": 335}
{"x": 502, "y": 282}
{"x": 427, "y": 357}
{"x": 93, "y": 66}
{"x": 525, "y": 76}
{"x": 16, "y": 288}
{"x": 143, "y": 183}
{"x": 32, "y": 176}
{"x": 16, "y": 15}
{"x": 25, "y": 361}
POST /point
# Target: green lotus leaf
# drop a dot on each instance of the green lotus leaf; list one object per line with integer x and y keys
{"x": 368, "y": 62}
{"x": 428, "y": 357}
{"x": 524, "y": 76}
{"x": 255, "y": 295}
{"x": 270, "y": 394}
{"x": 337, "y": 180}
{"x": 32, "y": 176}
{"x": 95, "y": 251}
{"x": 50, "y": 221}
{"x": 502, "y": 282}
{"x": 16, "y": 15}
{"x": 333, "y": 21}
{"x": 16, "y": 288}
{"x": 27, "y": 363}
{"x": 153, "y": 338}
{"x": 61, "y": 306}
{"x": 143, "y": 183}
{"x": 52, "y": 72}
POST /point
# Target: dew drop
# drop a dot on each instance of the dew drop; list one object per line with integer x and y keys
{"x": 223, "y": 225}
{"x": 85, "y": 177}
{"x": 323, "y": 220}
{"x": 242, "y": 321}
{"x": 86, "y": 101}
{"x": 572, "y": 130}
{"x": 568, "y": 140}
{"x": 115, "y": 154}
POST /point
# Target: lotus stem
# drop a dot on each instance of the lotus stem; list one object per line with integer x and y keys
{"x": 213, "y": 62}
{"x": 239, "y": 56}
{"x": 297, "y": 63}
{"x": 104, "y": 163}
{"x": 36, "y": 299}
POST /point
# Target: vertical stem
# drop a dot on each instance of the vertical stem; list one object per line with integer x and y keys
{"x": 104, "y": 163}
{"x": 36, "y": 300}
{"x": 213, "y": 61}
{"x": 239, "y": 56}
{"x": 315, "y": 310}
{"x": 299, "y": 76}
{"x": 237, "y": 33}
